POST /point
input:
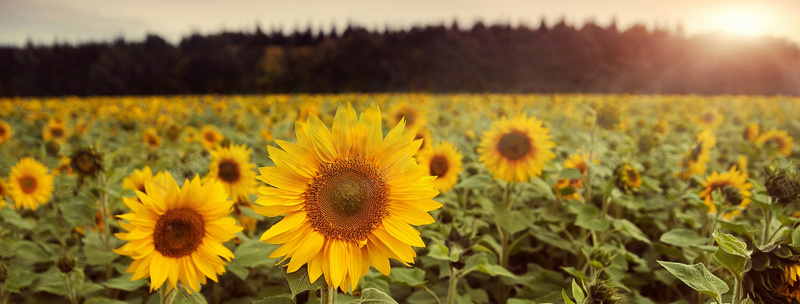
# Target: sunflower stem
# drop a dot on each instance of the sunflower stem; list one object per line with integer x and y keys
{"x": 106, "y": 235}
{"x": 767, "y": 223}
{"x": 167, "y": 294}
{"x": 451, "y": 289}
{"x": 70, "y": 288}
{"x": 327, "y": 295}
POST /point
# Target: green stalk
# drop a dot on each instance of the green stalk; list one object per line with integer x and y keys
{"x": 451, "y": 289}
{"x": 70, "y": 288}
{"x": 167, "y": 294}
{"x": 328, "y": 295}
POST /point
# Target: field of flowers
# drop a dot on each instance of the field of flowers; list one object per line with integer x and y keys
{"x": 400, "y": 198}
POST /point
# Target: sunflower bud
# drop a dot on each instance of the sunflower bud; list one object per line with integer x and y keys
{"x": 600, "y": 292}
{"x": 86, "y": 162}
{"x": 600, "y": 255}
{"x": 784, "y": 186}
{"x": 65, "y": 263}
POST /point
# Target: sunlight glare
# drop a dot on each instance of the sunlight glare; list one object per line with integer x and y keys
{"x": 741, "y": 22}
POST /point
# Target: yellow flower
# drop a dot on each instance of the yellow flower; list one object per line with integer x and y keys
{"x": 349, "y": 196}
{"x": 662, "y": 127}
{"x": 750, "y": 132}
{"x": 411, "y": 113}
{"x": 64, "y": 167}
{"x": 516, "y": 149}
{"x": 191, "y": 135}
{"x": 232, "y": 167}
{"x": 426, "y": 137}
{"x": 139, "y": 178}
{"x": 3, "y": 193}
{"x": 29, "y": 184}
{"x": 627, "y": 177}
{"x": 733, "y": 186}
{"x": 151, "y": 139}
{"x": 55, "y": 130}
{"x": 710, "y": 119}
{"x": 563, "y": 184}
{"x": 790, "y": 285}
{"x": 6, "y": 132}
{"x": 694, "y": 161}
{"x": 210, "y": 137}
{"x": 176, "y": 233}
{"x": 442, "y": 161}
{"x": 777, "y": 138}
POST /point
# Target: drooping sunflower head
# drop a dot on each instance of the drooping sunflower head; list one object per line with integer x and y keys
{"x": 732, "y": 187}
{"x": 175, "y": 234}
{"x": 231, "y": 166}
{"x": 627, "y": 177}
{"x": 151, "y": 139}
{"x": 29, "y": 184}
{"x": 64, "y": 167}
{"x": 55, "y": 130}
{"x": 209, "y": 136}
{"x": 348, "y": 195}
{"x": 87, "y": 162}
{"x": 443, "y": 161}
{"x": 772, "y": 275}
{"x": 784, "y": 186}
{"x": 777, "y": 140}
{"x": 6, "y": 132}
{"x": 750, "y": 132}
{"x": 516, "y": 149}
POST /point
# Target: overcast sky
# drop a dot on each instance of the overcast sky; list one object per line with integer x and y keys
{"x": 45, "y": 21}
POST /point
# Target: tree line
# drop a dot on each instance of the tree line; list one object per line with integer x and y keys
{"x": 437, "y": 59}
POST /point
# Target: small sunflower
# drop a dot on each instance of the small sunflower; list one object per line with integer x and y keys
{"x": 627, "y": 177}
{"x": 3, "y": 193}
{"x": 151, "y": 138}
{"x": 64, "y": 167}
{"x": 662, "y": 127}
{"x": 6, "y": 132}
{"x": 710, "y": 119}
{"x": 210, "y": 137}
{"x": 568, "y": 188}
{"x": 191, "y": 135}
{"x": 55, "y": 130}
{"x": 87, "y": 162}
{"x": 780, "y": 140}
{"x": 442, "y": 161}
{"x": 29, "y": 184}
{"x": 733, "y": 186}
{"x": 410, "y": 113}
{"x": 426, "y": 137}
{"x": 176, "y": 233}
{"x": 139, "y": 178}
{"x": 694, "y": 161}
{"x": 231, "y": 166}
{"x": 516, "y": 149}
{"x": 349, "y": 196}
{"x": 750, "y": 132}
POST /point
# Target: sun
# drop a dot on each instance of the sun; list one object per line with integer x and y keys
{"x": 741, "y": 22}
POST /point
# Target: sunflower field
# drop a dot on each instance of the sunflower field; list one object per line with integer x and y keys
{"x": 400, "y": 198}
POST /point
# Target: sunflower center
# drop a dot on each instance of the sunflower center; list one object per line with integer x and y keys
{"x": 57, "y": 132}
{"x": 439, "y": 165}
{"x": 632, "y": 176}
{"x": 347, "y": 199}
{"x": 210, "y": 136}
{"x": 514, "y": 145}
{"x": 2, "y": 131}
{"x": 228, "y": 171}
{"x": 178, "y": 232}
{"x": 28, "y": 184}
{"x": 85, "y": 162}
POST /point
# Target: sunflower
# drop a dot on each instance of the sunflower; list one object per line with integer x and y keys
{"x": 87, "y": 162}
{"x": 6, "y": 132}
{"x": 516, "y": 149}
{"x": 778, "y": 139}
{"x": 151, "y": 139}
{"x": 694, "y": 161}
{"x": 139, "y": 178}
{"x": 710, "y": 119}
{"x": 442, "y": 161}
{"x": 64, "y": 167}
{"x": 29, "y": 184}
{"x": 231, "y": 166}
{"x": 176, "y": 233}
{"x": 568, "y": 188}
{"x": 3, "y": 193}
{"x": 410, "y": 113}
{"x": 210, "y": 137}
{"x": 55, "y": 130}
{"x": 627, "y": 177}
{"x": 772, "y": 275}
{"x": 662, "y": 127}
{"x": 191, "y": 135}
{"x": 349, "y": 196}
{"x": 426, "y": 137}
{"x": 734, "y": 188}
{"x": 750, "y": 132}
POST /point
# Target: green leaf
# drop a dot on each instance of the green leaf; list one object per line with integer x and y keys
{"x": 31, "y": 252}
{"x": 299, "y": 281}
{"x": 566, "y": 297}
{"x": 732, "y": 253}
{"x": 477, "y": 181}
{"x": 569, "y": 173}
{"x": 589, "y": 218}
{"x": 519, "y": 301}
{"x": 698, "y": 278}
{"x": 511, "y": 221}
{"x": 577, "y": 292}
{"x": 493, "y": 269}
{"x": 631, "y": 230}
{"x": 550, "y": 238}
{"x": 440, "y": 252}
{"x": 125, "y": 283}
{"x": 252, "y": 253}
{"x": 279, "y": 299}
{"x": 682, "y": 237}
{"x": 373, "y": 296}
{"x": 94, "y": 252}
{"x": 103, "y": 300}
{"x": 78, "y": 213}
{"x": 413, "y": 277}
{"x": 10, "y": 216}
{"x": 187, "y": 298}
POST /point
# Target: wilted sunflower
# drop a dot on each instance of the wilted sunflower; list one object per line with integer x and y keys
{"x": 64, "y": 167}
{"x": 231, "y": 166}
{"x": 29, "y": 184}
{"x": 55, "y": 130}
{"x": 516, "y": 149}
{"x": 349, "y": 196}
{"x": 733, "y": 187}
{"x": 784, "y": 186}
{"x": 750, "y": 132}
{"x": 442, "y": 161}
{"x": 772, "y": 275}
{"x": 209, "y": 137}
{"x": 6, "y": 132}
{"x": 778, "y": 139}
{"x": 627, "y": 177}
{"x": 87, "y": 162}
{"x": 176, "y": 233}
{"x": 151, "y": 138}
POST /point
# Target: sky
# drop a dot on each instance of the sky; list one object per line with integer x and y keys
{"x": 75, "y": 21}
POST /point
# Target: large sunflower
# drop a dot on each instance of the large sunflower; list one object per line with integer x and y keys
{"x": 349, "y": 196}
{"x": 442, "y": 161}
{"x": 516, "y": 149}
{"x": 176, "y": 233}
{"x": 6, "y": 132}
{"x": 55, "y": 130}
{"x": 29, "y": 184}
{"x": 733, "y": 187}
{"x": 231, "y": 166}
{"x": 781, "y": 141}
